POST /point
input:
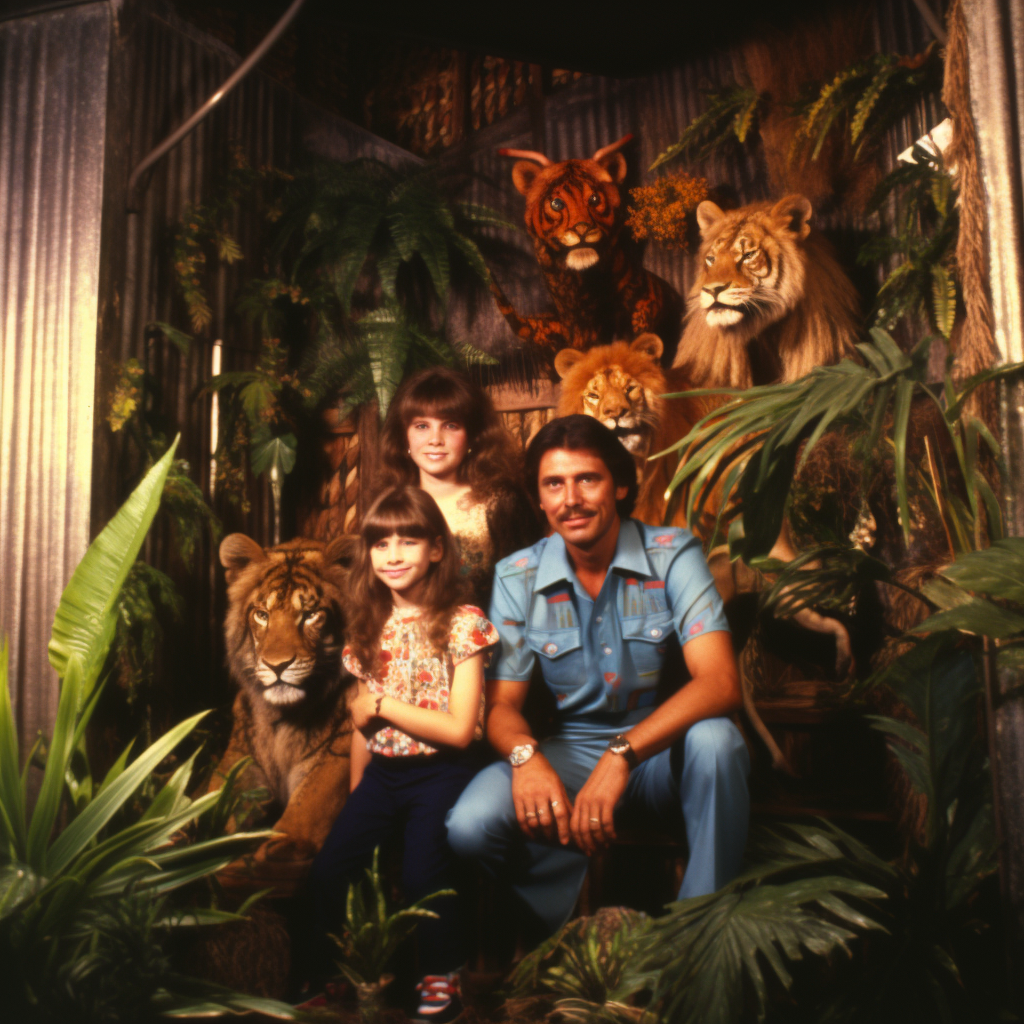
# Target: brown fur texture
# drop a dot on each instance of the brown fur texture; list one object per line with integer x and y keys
{"x": 623, "y": 386}
{"x": 598, "y": 285}
{"x": 780, "y": 63}
{"x": 975, "y": 345}
{"x": 283, "y": 637}
{"x": 769, "y": 301}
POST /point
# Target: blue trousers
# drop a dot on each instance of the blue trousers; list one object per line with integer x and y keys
{"x": 407, "y": 796}
{"x": 700, "y": 784}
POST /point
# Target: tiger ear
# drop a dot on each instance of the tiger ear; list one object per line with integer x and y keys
{"x": 794, "y": 212}
{"x": 524, "y": 174}
{"x": 236, "y": 552}
{"x": 615, "y": 165}
{"x": 341, "y": 549}
{"x": 708, "y": 215}
{"x": 650, "y": 345}
{"x": 566, "y": 359}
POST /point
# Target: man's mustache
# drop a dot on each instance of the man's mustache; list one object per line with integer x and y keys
{"x": 575, "y": 512}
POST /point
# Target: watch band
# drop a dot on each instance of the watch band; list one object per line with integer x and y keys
{"x": 623, "y": 748}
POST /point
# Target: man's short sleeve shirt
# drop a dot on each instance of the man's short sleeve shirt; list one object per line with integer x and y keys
{"x": 603, "y": 654}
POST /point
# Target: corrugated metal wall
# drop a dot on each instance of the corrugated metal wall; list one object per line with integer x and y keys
{"x": 172, "y": 69}
{"x": 53, "y": 97}
{"x": 596, "y": 111}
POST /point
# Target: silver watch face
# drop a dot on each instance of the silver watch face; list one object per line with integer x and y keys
{"x": 521, "y": 754}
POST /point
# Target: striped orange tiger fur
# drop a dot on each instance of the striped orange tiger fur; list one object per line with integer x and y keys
{"x": 599, "y": 287}
{"x": 283, "y": 633}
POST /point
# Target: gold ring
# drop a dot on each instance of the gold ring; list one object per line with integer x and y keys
{"x": 531, "y": 814}
{"x": 598, "y": 820}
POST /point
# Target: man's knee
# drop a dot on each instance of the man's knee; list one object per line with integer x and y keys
{"x": 480, "y": 816}
{"x": 715, "y": 746}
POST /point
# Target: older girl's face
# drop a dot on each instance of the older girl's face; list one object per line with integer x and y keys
{"x": 437, "y": 447}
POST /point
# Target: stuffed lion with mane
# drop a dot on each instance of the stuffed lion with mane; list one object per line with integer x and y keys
{"x": 283, "y": 633}
{"x": 769, "y": 302}
{"x": 623, "y": 386}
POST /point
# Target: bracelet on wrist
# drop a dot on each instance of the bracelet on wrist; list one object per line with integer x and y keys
{"x": 380, "y": 699}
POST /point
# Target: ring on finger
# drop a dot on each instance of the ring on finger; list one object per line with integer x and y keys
{"x": 554, "y": 804}
{"x": 595, "y": 821}
{"x": 531, "y": 814}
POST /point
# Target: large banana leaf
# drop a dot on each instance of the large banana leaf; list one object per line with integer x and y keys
{"x": 83, "y": 626}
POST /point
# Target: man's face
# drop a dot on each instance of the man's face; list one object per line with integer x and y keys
{"x": 578, "y": 495}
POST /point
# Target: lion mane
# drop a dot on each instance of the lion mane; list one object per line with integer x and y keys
{"x": 769, "y": 302}
{"x": 283, "y": 633}
{"x": 623, "y": 386}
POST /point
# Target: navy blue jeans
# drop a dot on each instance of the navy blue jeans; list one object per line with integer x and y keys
{"x": 407, "y": 797}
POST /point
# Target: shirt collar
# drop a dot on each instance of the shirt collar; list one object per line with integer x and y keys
{"x": 630, "y": 557}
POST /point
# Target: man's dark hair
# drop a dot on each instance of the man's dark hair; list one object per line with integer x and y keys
{"x": 578, "y": 433}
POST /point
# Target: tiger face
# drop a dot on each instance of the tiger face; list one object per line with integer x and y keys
{"x": 284, "y": 620}
{"x": 572, "y": 207}
{"x": 620, "y": 385}
{"x": 749, "y": 272}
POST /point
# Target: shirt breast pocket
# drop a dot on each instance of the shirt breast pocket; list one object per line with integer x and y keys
{"x": 561, "y": 655}
{"x": 645, "y": 638}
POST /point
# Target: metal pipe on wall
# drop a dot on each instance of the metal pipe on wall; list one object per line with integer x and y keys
{"x": 239, "y": 73}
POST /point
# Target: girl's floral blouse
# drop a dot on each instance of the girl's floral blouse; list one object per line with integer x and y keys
{"x": 410, "y": 670}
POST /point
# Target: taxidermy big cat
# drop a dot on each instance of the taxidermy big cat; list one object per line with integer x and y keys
{"x": 599, "y": 288}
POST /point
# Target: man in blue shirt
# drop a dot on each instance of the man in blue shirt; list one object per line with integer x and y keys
{"x": 596, "y": 602}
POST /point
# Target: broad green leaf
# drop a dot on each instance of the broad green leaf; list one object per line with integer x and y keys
{"x": 977, "y": 617}
{"x": 181, "y": 341}
{"x": 997, "y": 571}
{"x": 13, "y": 833}
{"x": 83, "y": 625}
{"x": 18, "y": 883}
{"x": 76, "y": 837}
{"x": 901, "y": 417}
{"x": 44, "y": 816}
{"x": 280, "y": 452}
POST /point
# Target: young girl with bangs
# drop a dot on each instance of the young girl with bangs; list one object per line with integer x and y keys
{"x": 418, "y": 654}
{"x": 443, "y": 434}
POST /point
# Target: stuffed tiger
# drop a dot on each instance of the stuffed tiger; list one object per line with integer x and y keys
{"x": 283, "y": 634}
{"x": 599, "y": 288}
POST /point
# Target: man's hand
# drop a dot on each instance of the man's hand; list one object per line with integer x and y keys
{"x": 542, "y": 805}
{"x": 592, "y": 825}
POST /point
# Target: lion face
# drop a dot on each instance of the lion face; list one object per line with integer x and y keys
{"x": 571, "y": 207}
{"x": 284, "y": 619}
{"x": 750, "y": 273}
{"x": 620, "y": 385}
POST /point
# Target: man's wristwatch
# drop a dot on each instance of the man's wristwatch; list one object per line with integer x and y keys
{"x": 521, "y": 754}
{"x": 621, "y": 746}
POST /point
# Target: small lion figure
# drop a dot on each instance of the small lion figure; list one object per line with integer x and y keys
{"x": 769, "y": 302}
{"x": 284, "y": 638}
{"x": 624, "y": 386}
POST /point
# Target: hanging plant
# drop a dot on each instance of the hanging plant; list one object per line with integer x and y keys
{"x": 730, "y": 116}
{"x": 866, "y": 99}
{"x": 922, "y": 239}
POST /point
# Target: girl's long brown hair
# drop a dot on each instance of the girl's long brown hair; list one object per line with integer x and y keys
{"x": 493, "y": 459}
{"x": 409, "y": 512}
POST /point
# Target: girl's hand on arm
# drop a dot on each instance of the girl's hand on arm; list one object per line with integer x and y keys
{"x": 363, "y": 707}
{"x": 454, "y": 727}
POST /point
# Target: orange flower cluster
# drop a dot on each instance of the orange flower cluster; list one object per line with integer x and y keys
{"x": 660, "y": 209}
